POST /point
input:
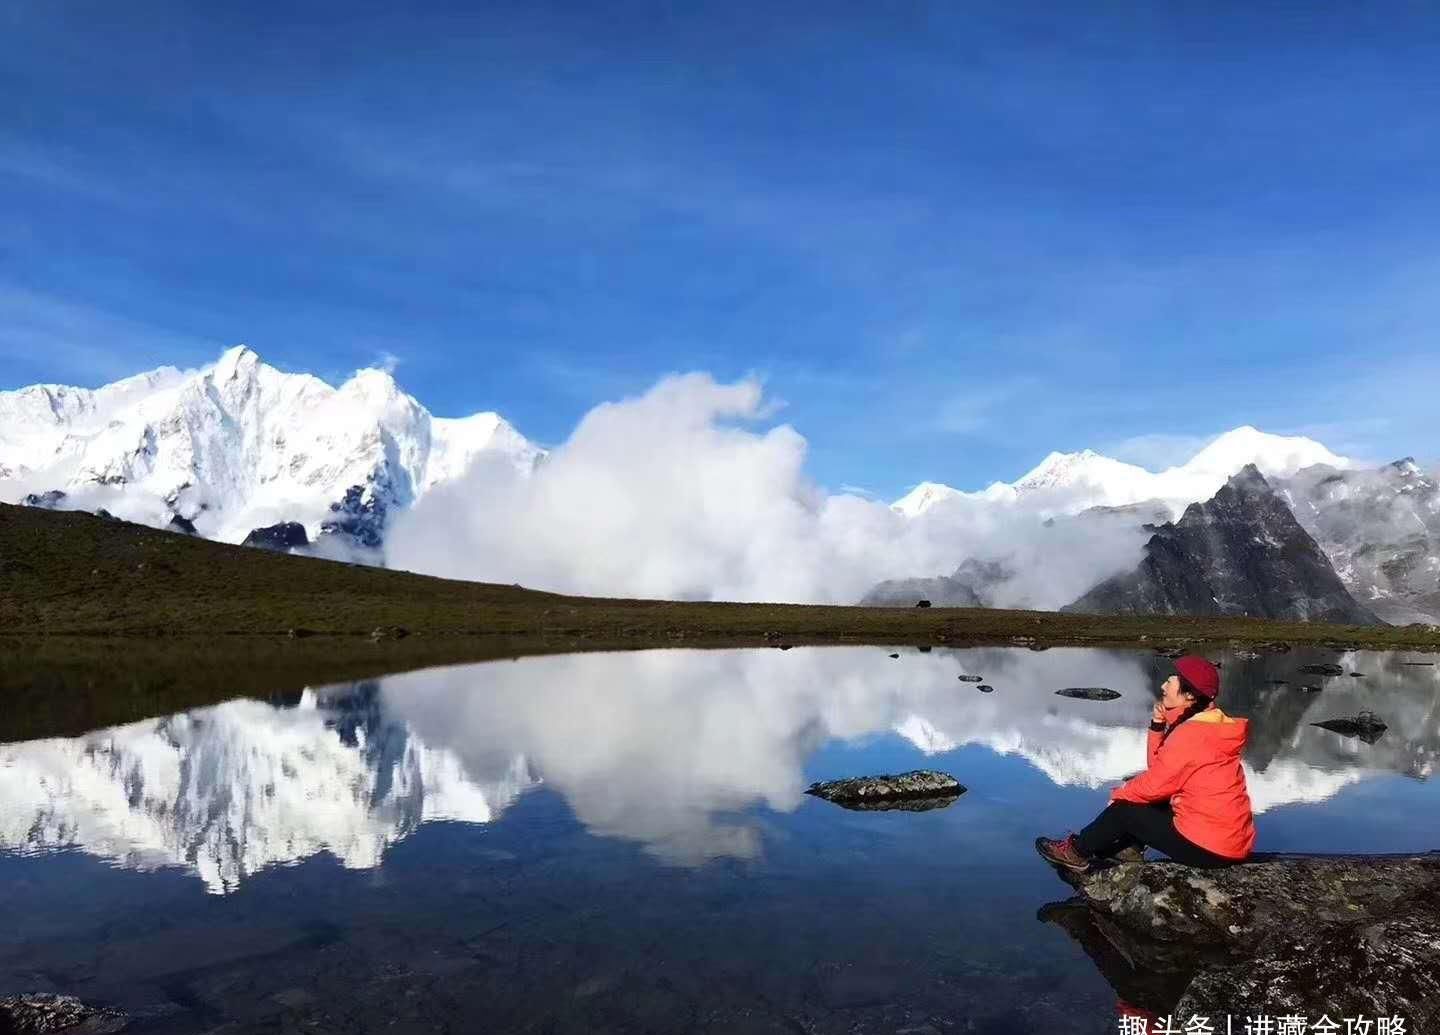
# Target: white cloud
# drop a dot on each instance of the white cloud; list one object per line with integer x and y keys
{"x": 670, "y": 494}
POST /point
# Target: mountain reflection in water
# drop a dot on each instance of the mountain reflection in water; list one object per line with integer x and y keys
{"x": 680, "y": 751}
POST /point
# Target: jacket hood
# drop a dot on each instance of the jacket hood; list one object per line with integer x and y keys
{"x": 1224, "y": 732}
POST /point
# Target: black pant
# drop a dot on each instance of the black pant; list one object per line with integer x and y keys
{"x": 1124, "y": 824}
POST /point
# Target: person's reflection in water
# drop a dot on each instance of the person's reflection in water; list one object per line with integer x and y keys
{"x": 1148, "y": 978}
{"x": 1191, "y": 802}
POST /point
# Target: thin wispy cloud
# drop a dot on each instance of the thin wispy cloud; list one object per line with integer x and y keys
{"x": 47, "y": 338}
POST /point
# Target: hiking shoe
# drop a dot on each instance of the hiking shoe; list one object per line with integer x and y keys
{"x": 1064, "y": 854}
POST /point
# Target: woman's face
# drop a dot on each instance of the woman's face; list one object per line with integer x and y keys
{"x": 1170, "y": 694}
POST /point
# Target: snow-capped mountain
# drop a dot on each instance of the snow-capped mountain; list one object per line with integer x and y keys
{"x": 1072, "y": 482}
{"x": 229, "y": 790}
{"x": 1381, "y": 529}
{"x": 239, "y": 445}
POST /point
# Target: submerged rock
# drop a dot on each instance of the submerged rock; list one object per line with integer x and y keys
{"x": 888, "y": 792}
{"x": 1324, "y": 669}
{"x": 42, "y": 1012}
{"x": 1367, "y": 726}
{"x": 1089, "y": 693}
{"x": 1339, "y": 935}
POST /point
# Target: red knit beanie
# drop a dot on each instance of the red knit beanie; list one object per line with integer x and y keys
{"x": 1202, "y": 677}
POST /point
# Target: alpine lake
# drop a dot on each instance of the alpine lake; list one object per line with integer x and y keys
{"x": 623, "y": 842}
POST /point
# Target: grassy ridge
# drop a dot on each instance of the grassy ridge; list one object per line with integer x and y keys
{"x": 103, "y": 622}
{"x": 79, "y": 575}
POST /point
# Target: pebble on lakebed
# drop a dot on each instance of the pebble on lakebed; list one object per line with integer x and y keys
{"x": 1089, "y": 693}
{"x": 916, "y": 790}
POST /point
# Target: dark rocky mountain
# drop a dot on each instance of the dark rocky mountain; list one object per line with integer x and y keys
{"x": 361, "y": 515}
{"x": 971, "y": 585}
{"x": 1242, "y": 552}
{"x": 284, "y": 536}
{"x": 46, "y": 500}
{"x": 1381, "y": 530}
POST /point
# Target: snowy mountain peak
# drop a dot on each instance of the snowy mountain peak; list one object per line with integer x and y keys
{"x": 923, "y": 497}
{"x": 240, "y": 445}
{"x": 1087, "y": 467}
{"x": 1273, "y": 454}
{"x": 237, "y": 362}
{"x": 1072, "y": 482}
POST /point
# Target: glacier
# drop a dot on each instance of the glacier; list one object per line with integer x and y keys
{"x": 239, "y": 444}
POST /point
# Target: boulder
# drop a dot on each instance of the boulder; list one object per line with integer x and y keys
{"x": 1278, "y": 934}
{"x": 1089, "y": 693}
{"x": 284, "y": 536}
{"x": 922, "y": 603}
{"x": 41, "y": 1012}
{"x": 891, "y": 791}
{"x": 181, "y": 524}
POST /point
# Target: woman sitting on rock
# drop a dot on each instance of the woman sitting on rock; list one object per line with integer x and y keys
{"x": 1190, "y": 802}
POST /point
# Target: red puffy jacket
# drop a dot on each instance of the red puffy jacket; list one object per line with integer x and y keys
{"x": 1197, "y": 769}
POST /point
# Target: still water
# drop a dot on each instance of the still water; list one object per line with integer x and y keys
{"x": 621, "y": 842}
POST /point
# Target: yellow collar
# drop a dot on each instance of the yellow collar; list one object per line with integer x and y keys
{"x": 1212, "y": 715}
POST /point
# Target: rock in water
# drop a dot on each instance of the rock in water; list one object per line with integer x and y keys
{"x": 285, "y": 535}
{"x": 971, "y": 679}
{"x": 901, "y": 791}
{"x": 1366, "y": 726}
{"x": 1089, "y": 693}
{"x": 985, "y": 688}
{"x": 894, "y": 655}
{"x": 1324, "y": 669}
{"x": 1341, "y": 935}
{"x": 42, "y": 1012}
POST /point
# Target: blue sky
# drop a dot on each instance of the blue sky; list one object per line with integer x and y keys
{"x": 950, "y": 237}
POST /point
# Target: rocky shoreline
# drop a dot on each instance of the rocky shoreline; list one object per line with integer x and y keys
{"x": 1334, "y": 935}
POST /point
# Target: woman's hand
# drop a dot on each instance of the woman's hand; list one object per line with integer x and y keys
{"x": 1158, "y": 715}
